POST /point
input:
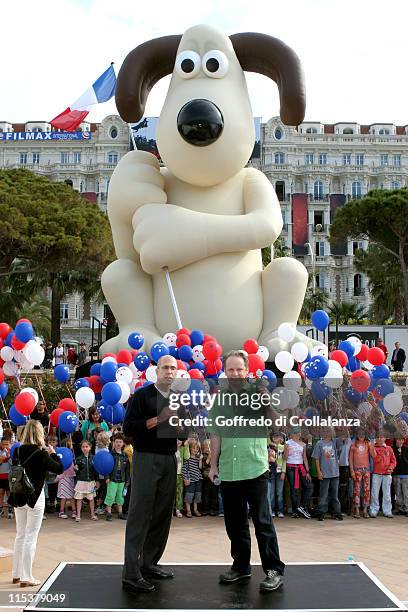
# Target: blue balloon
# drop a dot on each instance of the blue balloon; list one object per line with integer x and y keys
{"x": 13, "y": 448}
{"x": 196, "y": 386}
{"x": 196, "y": 337}
{"x": 174, "y": 352}
{"x": 142, "y": 361}
{"x": 381, "y": 371}
{"x": 147, "y": 383}
{"x": 403, "y": 416}
{"x": 380, "y": 405}
{"x": 61, "y": 373}
{"x": 198, "y": 366}
{"x": 103, "y": 462}
{"x": 67, "y": 422}
{"x": 135, "y": 340}
{"x": 158, "y": 350}
{"x": 9, "y": 338}
{"x": 24, "y": 331}
{"x": 353, "y": 364}
{"x": 95, "y": 369}
{"x": 310, "y": 412}
{"x": 353, "y": 396}
{"x": 111, "y": 393}
{"x": 65, "y": 454}
{"x": 320, "y": 391}
{"x": 384, "y": 386}
{"x": 186, "y": 365}
{"x": 102, "y": 405}
{"x": 15, "y": 417}
{"x": 347, "y": 347}
{"x": 271, "y": 378}
{"x": 320, "y": 319}
{"x": 372, "y": 383}
{"x": 186, "y": 353}
{"x": 80, "y": 382}
{"x": 3, "y": 389}
{"x": 108, "y": 371}
{"x": 114, "y": 414}
{"x": 318, "y": 367}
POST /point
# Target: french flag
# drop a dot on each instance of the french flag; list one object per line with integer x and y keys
{"x": 101, "y": 91}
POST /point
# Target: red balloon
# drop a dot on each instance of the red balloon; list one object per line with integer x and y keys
{"x": 17, "y": 344}
{"x": 134, "y": 352}
{"x": 24, "y": 403}
{"x": 24, "y": 321}
{"x": 208, "y": 338}
{"x": 197, "y": 374}
{"x": 340, "y": 357}
{"x": 212, "y": 350}
{"x": 183, "y": 339}
{"x": 376, "y": 395}
{"x": 181, "y": 365}
{"x": 109, "y": 355}
{"x": 1, "y": 343}
{"x": 54, "y": 416}
{"x": 124, "y": 356}
{"x": 2, "y": 362}
{"x": 210, "y": 367}
{"x": 5, "y": 329}
{"x": 255, "y": 363}
{"x": 183, "y": 330}
{"x": 66, "y": 404}
{"x": 96, "y": 383}
{"x": 375, "y": 356}
{"x": 2, "y": 377}
{"x": 362, "y": 356}
{"x": 251, "y": 346}
{"x": 360, "y": 380}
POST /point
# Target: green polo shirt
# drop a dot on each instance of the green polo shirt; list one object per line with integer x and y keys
{"x": 244, "y": 450}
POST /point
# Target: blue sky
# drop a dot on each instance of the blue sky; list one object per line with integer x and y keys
{"x": 354, "y": 52}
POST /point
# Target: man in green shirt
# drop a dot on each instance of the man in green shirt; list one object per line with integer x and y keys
{"x": 239, "y": 458}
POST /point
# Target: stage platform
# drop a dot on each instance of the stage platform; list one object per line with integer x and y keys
{"x": 308, "y": 587}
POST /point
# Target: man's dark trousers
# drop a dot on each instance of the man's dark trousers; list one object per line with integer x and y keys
{"x": 150, "y": 511}
{"x": 236, "y": 495}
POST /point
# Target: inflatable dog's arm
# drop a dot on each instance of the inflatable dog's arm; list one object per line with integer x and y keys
{"x": 173, "y": 236}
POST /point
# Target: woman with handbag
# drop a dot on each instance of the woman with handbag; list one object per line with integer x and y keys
{"x": 31, "y": 461}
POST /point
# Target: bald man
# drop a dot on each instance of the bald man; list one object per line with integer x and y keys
{"x": 154, "y": 477}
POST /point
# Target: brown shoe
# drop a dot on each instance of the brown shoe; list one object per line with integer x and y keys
{"x": 32, "y": 583}
{"x": 356, "y": 512}
{"x": 365, "y": 512}
{"x": 197, "y": 513}
{"x": 16, "y": 580}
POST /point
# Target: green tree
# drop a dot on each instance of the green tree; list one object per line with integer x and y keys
{"x": 316, "y": 299}
{"x": 278, "y": 251}
{"x": 382, "y": 218}
{"x": 346, "y": 313}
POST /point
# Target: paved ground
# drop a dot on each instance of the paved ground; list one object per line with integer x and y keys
{"x": 380, "y": 543}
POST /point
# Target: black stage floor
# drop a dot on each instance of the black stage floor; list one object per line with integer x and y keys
{"x": 308, "y": 587}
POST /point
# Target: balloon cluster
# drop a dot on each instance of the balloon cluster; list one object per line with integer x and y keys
{"x": 20, "y": 351}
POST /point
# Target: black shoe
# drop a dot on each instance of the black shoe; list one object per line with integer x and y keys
{"x": 138, "y": 586}
{"x": 320, "y": 517}
{"x": 272, "y": 581}
{"x": 233, "y": 576}
{"x": 109, "y": 516}
{"x": 301, "y": 510}
{"x": 338, "y": 517}
{"x": 157, "y": 571}
{"x": 295, "y": 515}
{"x": 122, "y": 516}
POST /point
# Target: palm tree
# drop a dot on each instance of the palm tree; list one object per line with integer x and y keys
{"x": 345, "y": 313}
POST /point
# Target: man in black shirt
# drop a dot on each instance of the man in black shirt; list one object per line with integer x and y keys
{"x": 398, "y": 358}
{"x": 153, "y": 479}
{"x": 39, "y": 414}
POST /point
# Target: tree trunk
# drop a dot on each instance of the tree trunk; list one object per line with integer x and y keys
{"x": 56, "y": 298}
{"x": 404, "y": 272}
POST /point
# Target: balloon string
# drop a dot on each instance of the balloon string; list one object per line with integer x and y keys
{"x": 41, "y": 392}
{"x": 69, "y": 391}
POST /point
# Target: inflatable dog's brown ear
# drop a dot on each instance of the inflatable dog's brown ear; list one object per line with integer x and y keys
{"x": 142, "y": 68}
{"x": 270, "y": 56}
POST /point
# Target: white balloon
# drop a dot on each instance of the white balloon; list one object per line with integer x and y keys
{"x": 26, "y": 365}
{"x": 182, "y": 381}
{"x": 286, "y": 332}
{"x": 393, "y": 403}
{"x": 32, "y": 391}
{"x": 284, "y": 361}
{"x": 85, "y": 397}
{"x": 263, "y": 353}
{"x": 124, "y": 374}
{"x": 7, "y": 353}
{"x": 292, "y": 380}
{"x": 299, "y": 351}
{"x": 368, "y": 365}
{"x": 151, "y": 373}
{"x": 356, "y": 342}
{"x": 334, "y": 365}
{"x": 132, "y": 386}
{"x": 10, "y": 368}
{"x": 170, "y": 339}
{"x": 364, "y": 409}
{"x": 334, "y": 378}
{"x": 281, "y": 398}
{"x": 319, "y": 349}
{"x": 125, "y": 391}
{"x": 34, "y": 352}
{"x": 198, "y": 353}
{"x": 38, "y": 339}
{"x": 108, "y": 359}
{"x": 293, "y": 398}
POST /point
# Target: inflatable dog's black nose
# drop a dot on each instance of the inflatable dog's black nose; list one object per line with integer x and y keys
{"x": 200, "y": 122}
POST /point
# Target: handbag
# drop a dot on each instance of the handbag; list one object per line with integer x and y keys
{"x": 19, "y": 482}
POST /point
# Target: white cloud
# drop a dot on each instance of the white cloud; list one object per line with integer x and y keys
{"x": 354, "y": 52}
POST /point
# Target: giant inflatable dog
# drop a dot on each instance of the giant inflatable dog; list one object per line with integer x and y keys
{"x": 205, "y": 215}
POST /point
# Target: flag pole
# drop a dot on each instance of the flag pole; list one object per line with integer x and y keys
{"x": 165, "y": 269}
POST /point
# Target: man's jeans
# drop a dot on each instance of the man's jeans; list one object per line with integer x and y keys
{"x": 378, "y": 480}
{"x": 275, "y": 492}
{"x": 329, "y": 488}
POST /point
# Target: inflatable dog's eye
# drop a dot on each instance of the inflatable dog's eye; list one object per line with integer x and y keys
{"x": 188, "y": 64}
{"x": 215, "y": 64}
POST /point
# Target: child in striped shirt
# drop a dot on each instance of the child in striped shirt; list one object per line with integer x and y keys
{"x": 191, "y": 472}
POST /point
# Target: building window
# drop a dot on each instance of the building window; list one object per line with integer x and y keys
{"x": 113, "y": 133}
{"x": 112, "y": 157}
{"x": 77, "y": 311}
{"x": 348, "y": 131}
{"x": 311, "y": 130}
{"x": 280, "y": 190}
{"x": 323, "y": 159}
{"x": 384, "y": 132}
{"x": 346, "y": 159}
{"x": 278, "y": 134}
{"x": 77, "y": 157}
{"x": 356, "y": 190}
{"x": 64, "y": 157}
{"x": 23, "y": 158}
{"x": 318, "y": 192}
{"x": 358, "y": 285}
{"x": 279, "y": 158}
{"x": 397, "y": 160}
{"x": 384, "y": 159}
{"x": 358, "y": 246}
{"x": 309, "y": 158}
{"x": 64, "y": 310}
{"x": 395, "y": 185}
{"x": 36, "y": 158}
{"x": 319, "y": 248}
{"x": 320, "y": 281}
{"x": 359, "y": 159}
